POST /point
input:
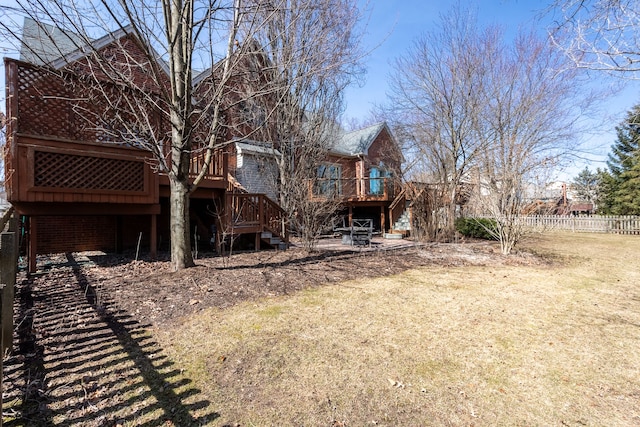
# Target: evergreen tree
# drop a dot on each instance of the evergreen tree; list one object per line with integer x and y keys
{"x": 606, "y": 190}
{"x": 624, "y": 167}
{"x": 627, "y": 200}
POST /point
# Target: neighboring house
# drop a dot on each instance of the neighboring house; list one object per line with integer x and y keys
{"x": 584, "y": 208}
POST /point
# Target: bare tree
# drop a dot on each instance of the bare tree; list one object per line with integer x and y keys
{"x": 485, "y": 112}
{"x": 530, "y": 116}
{"x": 435, "y": 96}
{"x": 3, "y": 140}
{"x": 151, "y": 98}
{"x": 599, "y": 34}
{"x": 314, "y": 53}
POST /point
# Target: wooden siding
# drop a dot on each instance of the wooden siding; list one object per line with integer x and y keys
{"x": 257, "y": 174}
{"x": 385, "y": 151}
{"x": 62, "y": 171}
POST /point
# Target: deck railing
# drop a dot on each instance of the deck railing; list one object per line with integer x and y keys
{"x": 216, "y": 169}
{"x": 354, "y": 189}
{"x": 254, "y": 213}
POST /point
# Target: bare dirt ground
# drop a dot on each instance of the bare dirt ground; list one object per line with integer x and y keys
{"x": 84, "y": 352}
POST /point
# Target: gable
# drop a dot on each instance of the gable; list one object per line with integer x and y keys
{"x": 357, "y": 142}
{"x": 375, "y": 142}
{"x": 384, "y": 150}
{"x": 43, "y": 44}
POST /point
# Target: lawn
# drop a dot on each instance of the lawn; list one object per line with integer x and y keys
{"x": 551, "y": 343}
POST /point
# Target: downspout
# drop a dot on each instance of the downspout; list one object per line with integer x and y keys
{"x": 361, "y": 185}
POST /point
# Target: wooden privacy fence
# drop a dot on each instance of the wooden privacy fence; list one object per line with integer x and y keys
{"x": 588, "y": 224}
{"x": 8, "y": 270}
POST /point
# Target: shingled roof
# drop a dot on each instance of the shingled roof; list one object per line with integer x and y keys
{"x": 42, "y": 43}
{"x": 357, "y": 142}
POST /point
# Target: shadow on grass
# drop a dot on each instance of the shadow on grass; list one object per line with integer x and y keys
{"x": 80, "y": 361}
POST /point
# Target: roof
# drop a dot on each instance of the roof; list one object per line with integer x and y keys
{"x": 581, "y": 207}
{"x": 358, "y": 142}
{"x": 42, "y": 43}
{"x": 255, "y": 147}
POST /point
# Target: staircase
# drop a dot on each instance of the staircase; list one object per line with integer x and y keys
{"x": 399, "y": 216}
{"x": 272, "y": 240}
{"x": 404, "y": 222}
{"x": 256, "y": 214}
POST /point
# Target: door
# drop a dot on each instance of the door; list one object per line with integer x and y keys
{"x": 375, "y": 182}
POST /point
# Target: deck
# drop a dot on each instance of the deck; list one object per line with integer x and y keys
{"x": 55, "y": 155}
{"x": 354, "y": 189}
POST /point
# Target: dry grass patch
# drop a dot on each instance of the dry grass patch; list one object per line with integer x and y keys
{"x": 464, "y": 345}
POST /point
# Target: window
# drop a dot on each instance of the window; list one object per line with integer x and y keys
{"x": 329, "y": 179}
{"x": 253, "y": 113}
{"x": 377, "y": 175}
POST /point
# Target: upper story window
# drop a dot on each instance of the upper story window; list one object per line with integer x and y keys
{"x": 252, "y": 113}
{"x": 329, "y": 179}
{"x": 377, "y": 178}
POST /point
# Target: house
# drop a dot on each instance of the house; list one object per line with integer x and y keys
{"x": 83, "y": 186}
{"x": 80, "y": 187}
{"x": 363, "y": 169}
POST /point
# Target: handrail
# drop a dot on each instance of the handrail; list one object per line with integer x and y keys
{"x": 396, "y": 208}
{"x": 369, "y": 188}
{"x": 273, "y": 218}
{"x": 256, "y": 212}
{"x": 400, "y": 196}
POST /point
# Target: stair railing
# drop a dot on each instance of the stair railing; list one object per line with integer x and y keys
{"x": 256, "y": 212}
{"x": 397, "y": 207}
{"x": 273, "y": 218}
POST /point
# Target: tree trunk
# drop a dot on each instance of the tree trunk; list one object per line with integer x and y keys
{"x": 450, "y": 228}
{"x": 181, "y": 256}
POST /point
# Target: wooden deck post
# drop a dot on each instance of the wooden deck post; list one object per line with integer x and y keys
{"x": 33, "y": 243}
{"x": 154, "y": 236}
{"x": 8, "y": 270}
{"x": 382, "y": 219}
{"x": 350, "y": 215}
{"x": 258, "y": 236}
{"x": 119, "y": 234}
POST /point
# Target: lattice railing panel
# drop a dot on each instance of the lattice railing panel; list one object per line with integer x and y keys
{"x": 56, "y": 170}
{"x": 69, "y": 107}
{"x": 65, "y": 106}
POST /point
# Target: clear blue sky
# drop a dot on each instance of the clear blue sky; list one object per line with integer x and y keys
{"x": 392, "y": 25}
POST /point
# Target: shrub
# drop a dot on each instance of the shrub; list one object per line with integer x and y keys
{"x": 477, "y": 227}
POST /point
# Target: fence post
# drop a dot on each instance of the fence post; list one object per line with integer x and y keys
{"x": 1, "y": 355}
{"x": 8, "y": 281}
{"x": 8, "y": 269}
